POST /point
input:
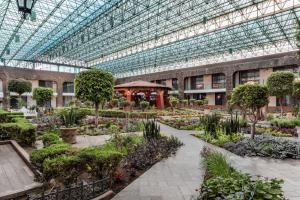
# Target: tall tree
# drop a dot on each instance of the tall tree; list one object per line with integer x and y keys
{"x": 19, "y": 86}
{"x": 94, "y": 85}
{"x": 250, "y": 97}
{"x": 280, "y": 84}
{"x": 42, "y": 95}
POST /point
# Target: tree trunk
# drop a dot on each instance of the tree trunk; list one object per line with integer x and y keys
{"x": 253, "y": 130}
{"x": 97, "y": 113}
{"x": 281, "y": 106}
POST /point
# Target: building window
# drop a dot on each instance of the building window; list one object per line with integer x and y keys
{"x": 287, "y": 101}
{"x": 197, "y": 83}
{"x": 175, "y": 84}
{"x": 218, "y": 81}
{"x": 186, "y": 84}
{"x": 48, "y": 84}
{"x": 199, "y": 96}
{"x": 220, "y": 99}
{"x": 162, "y": 82}
{"x": 67, "y": 100}
{"x": 68, "y": 87}
{"x": 249, "y": 76}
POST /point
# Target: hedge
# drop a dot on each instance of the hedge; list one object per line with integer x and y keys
{"x": 50, "y": 139}
{"x": 15, "y": 126}
{"x": 37, "y": 157}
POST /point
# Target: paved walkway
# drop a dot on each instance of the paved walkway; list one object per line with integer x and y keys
{"x": 179, "y": 176}
{"x": 15, "y": 175}
{"x": 176, "y": 178}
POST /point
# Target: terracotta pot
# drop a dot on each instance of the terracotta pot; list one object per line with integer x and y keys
{"x": 68, "y": 135}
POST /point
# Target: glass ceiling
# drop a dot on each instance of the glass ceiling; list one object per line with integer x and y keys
{"x": 131, "y": 37}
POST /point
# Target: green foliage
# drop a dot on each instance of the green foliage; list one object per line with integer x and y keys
{"x": 285, "y": 123}
{"x": 199, "y": 102}
{"x": 185, "y": 102}
{"x": 232, "y": 125}
{"x": 101, "y": 162}
{"x": 270, "y": 117}
{"x": 69, "y": 117}
{"x": 250, "y": 96}
{"x": 19, "y": 86}
{"x": 62, "y": 166}
{"x": 37, "y": 157}
{"x": 221, "y": 138}
{"x": 210, "y": 124}
{"x": 15, "y": 126}
{"x": 42, "y": 95}
{"x": 266, "y": 146}
{"x": 50, "y": 139}
{"x": 296, "y": 89}
{"x": 151, "y": 130}
{"x": 173, "y": 101}
{"x": 144, "y": 105}
{"x": 192, "y": 102}
{"x": 122, "y": 102}
{"x": 94, "y": 85}
{"x": 216, "y": 165}
{"x": 280, "y": 84}
{"x": 224, "y": 182}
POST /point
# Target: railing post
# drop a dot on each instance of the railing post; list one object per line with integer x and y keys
{"x": 81, "y": 190}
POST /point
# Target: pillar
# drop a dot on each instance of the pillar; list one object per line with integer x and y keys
{"x": 59, "y": 91}
{"x": 180, "y": 79}
{"x": 160, "y": 99}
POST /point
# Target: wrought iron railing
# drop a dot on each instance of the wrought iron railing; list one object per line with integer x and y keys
{"x": 78, "y": 192}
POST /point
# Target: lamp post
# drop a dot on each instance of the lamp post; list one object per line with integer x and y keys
{"x": 25, "y": 6}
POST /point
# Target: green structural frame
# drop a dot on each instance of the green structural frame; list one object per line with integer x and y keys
{"x": 131, "y": 37}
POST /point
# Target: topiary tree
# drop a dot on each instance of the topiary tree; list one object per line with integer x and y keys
{"x": 94, "y": 85}
{"x": 42, "y": 95}
{"x": 280, "y": 84}
{"x": 173, "y": 102}
{"x": 296, "y": 90}
{"x": 144, "y": 105}
{"x": 19, "y": 86}
{"x": 250, "y": 97}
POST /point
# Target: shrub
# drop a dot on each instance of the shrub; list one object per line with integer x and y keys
{"x": 148, "y": 152}
{"x": 285, "y": 123}
{"x": 144, "y": 105}
{"x": 199, "y": 102}
{"x": 192, "y": 102}
{"x": 37, "y": 157}
{"x": 50, "y": 139}
{"x": 151, "y": 130}
{"x": 232, "y": 125}
{"x": 42, "y": 95}
{"x": 102, "y": 162}
{"x": 64, "y": 166}
{"x": 224, "y": 182}
{"x": 173, "y": 101}
{"x": 221, "y": 139}
{"x": 266, "y": 146}
{"x": 19, "y": 129}
{"x": 210, "y": 124}
{"x": 270, "y": 117}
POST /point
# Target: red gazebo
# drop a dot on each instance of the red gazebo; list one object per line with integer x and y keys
{"x": 150, "y": 90}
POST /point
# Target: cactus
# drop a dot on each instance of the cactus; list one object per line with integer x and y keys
{"x": 232, "y": 125}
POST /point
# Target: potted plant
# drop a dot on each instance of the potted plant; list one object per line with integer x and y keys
{"x": 69, "y": 130}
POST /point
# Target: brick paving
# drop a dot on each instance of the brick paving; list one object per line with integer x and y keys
{"x": 177, "y": 177}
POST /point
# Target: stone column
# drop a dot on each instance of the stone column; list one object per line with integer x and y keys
{"x": 181, "y": 86}
{"x": 160, "y": 99}
{"x": 59, "y": 91}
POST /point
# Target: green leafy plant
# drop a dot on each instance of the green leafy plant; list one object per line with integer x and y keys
{"x": 144, "y": 105}
{"x": 69, "y": 117}
{"x": 280, "y": 84}
{"x": 232, "y": 125}
{"x": 96, "y": 86}
{"x": 151, "y": 130}
{"x": 50, "y": 139}
{"x": 173, "y": 101}
{"x": 19, "y": 86}
{"x": 210, "y": 124}
{"x": 42, "y": 95}
{"x": 250, "y": 97}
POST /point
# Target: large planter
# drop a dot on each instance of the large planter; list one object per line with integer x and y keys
{"x": 68, "y": 135}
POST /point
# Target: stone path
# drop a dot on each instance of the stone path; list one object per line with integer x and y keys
{"x": 176, "y": 178}
{"x": 179, "y": 176}
{"x": 15, "y": 175}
